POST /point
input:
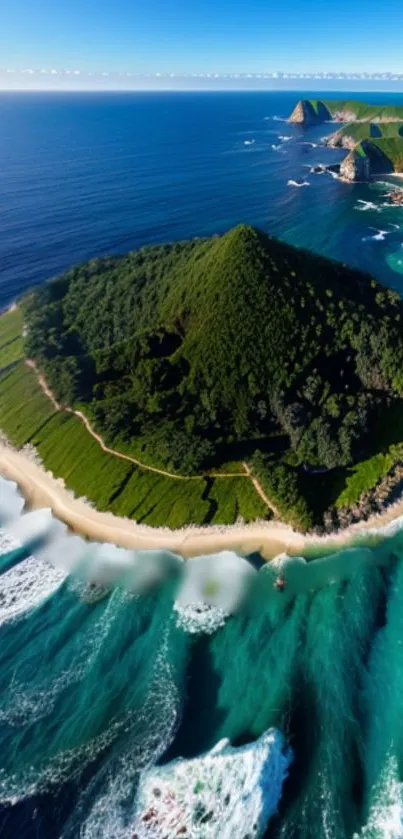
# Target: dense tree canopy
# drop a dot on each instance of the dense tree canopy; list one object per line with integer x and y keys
{"x": 210, "y": 350}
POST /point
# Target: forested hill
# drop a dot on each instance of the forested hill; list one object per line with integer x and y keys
{"x": 210, "y": 350}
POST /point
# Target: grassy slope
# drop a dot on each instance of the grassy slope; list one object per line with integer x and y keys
{"x": 11, "y": 342}
{"x": 66, "y": 448}
{"x": 385, "y": 137}
{"x": 361, "y": 110}
{"x": 369, "y": 131}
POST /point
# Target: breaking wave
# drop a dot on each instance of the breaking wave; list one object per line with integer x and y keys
{"x": 144, "y": 697}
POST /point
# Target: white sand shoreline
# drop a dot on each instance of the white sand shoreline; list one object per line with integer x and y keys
{"x": 41, "y": 489}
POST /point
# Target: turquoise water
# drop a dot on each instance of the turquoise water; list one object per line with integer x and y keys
{"x": 112, "y": 698}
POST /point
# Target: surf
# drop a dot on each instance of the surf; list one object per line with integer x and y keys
{"x": 202, "y": 683}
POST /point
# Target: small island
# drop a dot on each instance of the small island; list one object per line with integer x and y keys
{"x": 213, "y": 381}
{"x": 372, "y": 134}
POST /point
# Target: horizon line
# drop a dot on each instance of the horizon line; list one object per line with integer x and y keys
{"x": 81, "y": 90}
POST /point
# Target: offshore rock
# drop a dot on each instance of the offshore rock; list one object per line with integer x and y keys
{"x": 395, "y": 197}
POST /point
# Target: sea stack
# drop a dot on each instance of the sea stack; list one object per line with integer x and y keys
{"x": 309, "y": 113}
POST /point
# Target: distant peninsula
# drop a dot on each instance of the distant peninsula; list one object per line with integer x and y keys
{"x": 373, "y": 134}
{"x": 211, "y": 381}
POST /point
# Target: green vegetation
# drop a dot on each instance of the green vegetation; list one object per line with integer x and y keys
{"x": 11, "y": 342}
{"x": 375, "y": 131}
{"x": 360, "y": 150}
{"x": 66, "y": 448}
{"x": 382, "y": 143}
{"x": 371, "y": 131}
{"x": 284, "y": 486}
{"x": 352, "y": 110}
{"x": 24, "y": 408}
{"x": 364, "y": 477}
{"x": 199, "y": 354}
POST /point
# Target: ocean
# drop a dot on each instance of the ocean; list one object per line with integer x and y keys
{"x": 126, "y": 713}
{"x": 83, "y": 175}
{"x": 189, "y": 700}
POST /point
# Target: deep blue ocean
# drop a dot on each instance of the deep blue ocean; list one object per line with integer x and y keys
{"x": 87, "y": 174}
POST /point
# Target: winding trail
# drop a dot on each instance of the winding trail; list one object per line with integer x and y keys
{"x": 259, "y": 489}
{"x": 58, "y": 407}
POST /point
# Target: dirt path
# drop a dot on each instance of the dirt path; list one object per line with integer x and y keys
{"x": 246, "y": 474}
{"x": 259, "y": 489}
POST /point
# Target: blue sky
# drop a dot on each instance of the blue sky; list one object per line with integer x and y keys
{"x": 185, "y": 36}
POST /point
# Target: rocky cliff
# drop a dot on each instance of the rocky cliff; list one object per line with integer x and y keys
{"x": 356, "y": 167}
{"x": 341, "y": 140}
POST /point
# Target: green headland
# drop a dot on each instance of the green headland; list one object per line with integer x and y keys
{"x": 368, "y": 131}
{"x": 212, "y": 367}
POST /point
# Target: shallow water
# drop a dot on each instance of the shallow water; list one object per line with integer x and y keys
{"x": 83, "y": 175}
{"x": 112, "y": 704}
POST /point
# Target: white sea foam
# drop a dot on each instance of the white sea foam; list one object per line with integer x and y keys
{"x": 284, "y": 138}
{"x": 25, "y": 586}
{"x": 365, "y": 206}
{"x": 227, "y": 792}
{"x": 26, "y": 704}
{"x": 249, "y": 142}
{"x": 386, "y": 816}
{"x": 277, "y": 148}
{"x": 11, "y": 502}
{"x": 7, "y": 542}
{"x": 65, "y": 766}
{"x": 380, "y": 235}
{"x": 199, "y": 618}
{"x": 298, "y": 183}
{"x": 159, "y": 716}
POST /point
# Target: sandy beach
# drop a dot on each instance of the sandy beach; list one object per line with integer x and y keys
{"x": 42, "y": 490}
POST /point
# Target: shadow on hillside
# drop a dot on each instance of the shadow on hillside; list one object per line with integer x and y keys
{"x": 323, "y": 113}
{"x": 321, "y": 490}
{"x": 243, "y": 449}
{"x": 380, "y": 163}
{"x": 374, "y": 130}
{"x": 389, "y": 428}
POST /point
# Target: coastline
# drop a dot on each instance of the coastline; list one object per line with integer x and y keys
{"x": 41, "y": 489}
